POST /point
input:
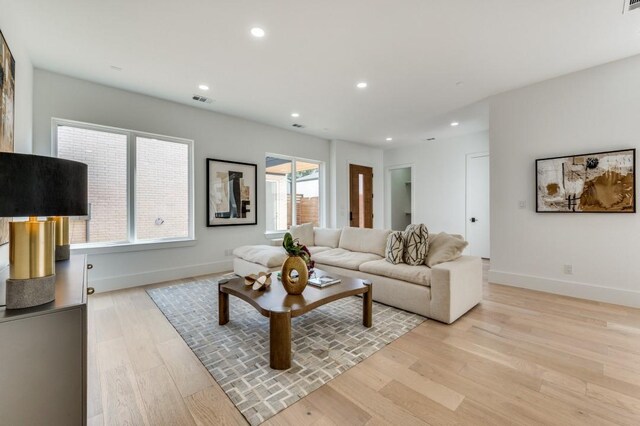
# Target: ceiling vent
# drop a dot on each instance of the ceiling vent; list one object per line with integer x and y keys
{"x": 202, "y": 99}
{"x": 631, "y": 5}
{"x": 298, "y": 126}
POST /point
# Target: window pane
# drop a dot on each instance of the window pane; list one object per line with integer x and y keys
{"x": 307, "y": 193}
{"x": 278, "y": 188}
{"x": 106, "y": 155}
{"x": 162, "y": 189}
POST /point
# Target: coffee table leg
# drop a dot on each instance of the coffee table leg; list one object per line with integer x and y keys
{"x": 280, "y": 338}
{"x": 223, "y": 307}
{"x": 367, "y": 306}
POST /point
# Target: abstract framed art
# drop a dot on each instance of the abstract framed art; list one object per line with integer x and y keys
{"x": 231, "y": 193}
{"x": 601, "y": 182}
{"x": 7, "y": 101}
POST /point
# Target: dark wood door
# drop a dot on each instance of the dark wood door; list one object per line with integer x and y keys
{"x": 360, "y": 196}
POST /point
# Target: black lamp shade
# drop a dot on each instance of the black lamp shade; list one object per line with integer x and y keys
{"x": 31, "y": 185}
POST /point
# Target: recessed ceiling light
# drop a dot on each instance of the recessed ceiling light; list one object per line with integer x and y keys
{"x": 257, "y": 32}
{"x": 295, "y": 115}
{"x": 361, "y": 85}
{"x": 389, "y": 139}
{"x": 454, "y": 124}
{"x": 203, "y": 87}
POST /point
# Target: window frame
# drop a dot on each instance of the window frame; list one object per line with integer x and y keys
{"x": 294, "y": 191}
{"x": 132, "y": 243}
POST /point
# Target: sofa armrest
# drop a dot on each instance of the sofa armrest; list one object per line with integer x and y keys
{"x": 456, "y": 287}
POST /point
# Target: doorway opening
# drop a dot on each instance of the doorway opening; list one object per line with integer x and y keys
{"x": 400, "y": 193}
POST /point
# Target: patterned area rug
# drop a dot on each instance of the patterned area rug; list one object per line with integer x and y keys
{"x": 326, "y": 342}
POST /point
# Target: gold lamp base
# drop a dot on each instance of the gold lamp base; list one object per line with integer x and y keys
{"x": 32, "y": 263}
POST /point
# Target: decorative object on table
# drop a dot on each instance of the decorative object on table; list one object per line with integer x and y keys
{"x": 603, "y": 182}
{"x": 231, "y": 193}
{"x": 298, "y": 261}
{"x": 63, "y": 248}
{"x": 37, "y": 186}
{"x": 7, "y": 102}
{"x": 262, "y": 281}
{"x": 416, "y": 244}
{"x": 318, "y": 338}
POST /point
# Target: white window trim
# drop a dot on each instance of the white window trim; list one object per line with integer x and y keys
{"x": 132, "y": 244}
{"x": 275, "y": 234}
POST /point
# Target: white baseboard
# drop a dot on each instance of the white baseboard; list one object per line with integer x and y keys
{"x": 160, "y": 275}
{"x": 567, "y": 288}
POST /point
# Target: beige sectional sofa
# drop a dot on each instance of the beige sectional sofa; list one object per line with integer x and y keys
{"x": 444, "y": 292}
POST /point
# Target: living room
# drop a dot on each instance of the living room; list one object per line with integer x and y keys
{"x": 340, "y": 123}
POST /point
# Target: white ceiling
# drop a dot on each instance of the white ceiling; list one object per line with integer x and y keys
{"x": 411, "y": 52}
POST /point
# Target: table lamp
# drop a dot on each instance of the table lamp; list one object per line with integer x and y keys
{"x": 33, "y": 186}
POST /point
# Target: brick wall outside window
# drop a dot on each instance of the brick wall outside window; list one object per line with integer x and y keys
{"x": 161, "y": 185}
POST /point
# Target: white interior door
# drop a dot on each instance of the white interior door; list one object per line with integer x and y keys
{"x": 478, "y": 205}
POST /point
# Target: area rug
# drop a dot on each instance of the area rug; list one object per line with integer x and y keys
{"x": 326, "y": 342}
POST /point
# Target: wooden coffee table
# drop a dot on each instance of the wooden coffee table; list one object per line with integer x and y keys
{"x": 275, "y": 304}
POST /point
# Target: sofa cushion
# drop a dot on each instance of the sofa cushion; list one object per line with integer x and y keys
{"x": 303, "y": 233}
{"x": 318, "y": 249}
{"x": 395, "y": 248}
{"x": 364, "y": 240}
{"x": 327, "y": 237}
{"x": 416, "y": 244}
{"x": 342, "y": 258}
{"x": 445, "y": 248}
{"x": 419, "y": 274}
{"x": 268, "y": 256}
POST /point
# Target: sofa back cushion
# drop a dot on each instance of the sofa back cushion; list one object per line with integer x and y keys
{"x": 416, "y": 244}
{"x": 364, "y": 240}
{"x": 303, "y": 233}
{"x": 395, "y": 248}
{"x": 327, "y": 237}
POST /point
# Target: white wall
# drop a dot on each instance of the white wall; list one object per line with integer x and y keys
{"x": 400, "y": 198}
{"x": 589, "y": 111}
{"x": 23, "y": 102}
{"x": 215, "y": 135}
{"x": 344, "y": 153}
{"x": 439, "y": 183}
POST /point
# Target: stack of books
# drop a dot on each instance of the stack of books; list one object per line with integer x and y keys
{"x": 324, "y": 281}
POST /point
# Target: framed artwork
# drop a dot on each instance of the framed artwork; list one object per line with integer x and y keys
{"x": 602, "y": 182}
{"x": 231, "y": 193}
{"x": 7, "y": 100}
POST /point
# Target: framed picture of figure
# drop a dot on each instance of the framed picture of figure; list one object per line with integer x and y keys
{"x": 7, "y": 101}
{"x": 231, "y": 193}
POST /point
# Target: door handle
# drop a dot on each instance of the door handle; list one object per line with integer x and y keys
{"x": 351, "y": 216}
{"x": 474, "y": 220}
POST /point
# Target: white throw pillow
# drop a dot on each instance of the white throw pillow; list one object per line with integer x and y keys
{"x": 445, "y": 247}
{"x": 395, "y": 248}
{"x": 326, "y": 237}
{"x": 303, "y": 233}
{"x": 416, "y": 244}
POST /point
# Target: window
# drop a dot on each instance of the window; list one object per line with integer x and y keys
{"x": 293, "y": 192}
{"x": 140, "y": 185}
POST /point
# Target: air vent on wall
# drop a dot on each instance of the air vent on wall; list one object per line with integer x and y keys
{"x": 202, "y": 99}
{"x": 299, "y": 126}
{"x": 631, "y": 5}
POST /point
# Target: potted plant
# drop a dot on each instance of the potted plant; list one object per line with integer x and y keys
{"x": 299, "y": 260}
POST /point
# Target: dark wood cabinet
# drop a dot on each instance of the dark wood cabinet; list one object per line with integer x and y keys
{"x": 43, "y": 354}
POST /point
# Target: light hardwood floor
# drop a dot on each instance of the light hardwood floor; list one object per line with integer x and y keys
{"x": 521, "y": 357}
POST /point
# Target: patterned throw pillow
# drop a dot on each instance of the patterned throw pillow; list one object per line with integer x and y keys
{"x": 395, "y": 248}
{"x": 416, "y": 244}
